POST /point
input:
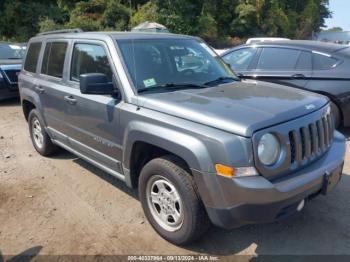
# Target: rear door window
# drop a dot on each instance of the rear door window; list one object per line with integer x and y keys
{"x": 278, "y": 59}
{"x": 32, "y": 57}
{"x": 240, "y": 60}
{"x": 89, "y": 58}
{"x": 324, "y": 61}
{"x": 53, "y": 60}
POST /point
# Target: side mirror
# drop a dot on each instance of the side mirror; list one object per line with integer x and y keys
{"x": 96, "y": 84}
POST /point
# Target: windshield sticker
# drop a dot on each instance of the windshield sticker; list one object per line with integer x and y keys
{"x": 149, "y": 82}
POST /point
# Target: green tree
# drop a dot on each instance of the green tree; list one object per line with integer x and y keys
{"x": 20, "y": 19}
{"x": 211, "y": 19}
{"x": 276, "y": 22}
{"x": 116, "y": 16}
{"x": 246, "y": 22}
{"x": 312, "y": 18}
{"x": 48, "y": 24}
{"x": 146, "y": 12}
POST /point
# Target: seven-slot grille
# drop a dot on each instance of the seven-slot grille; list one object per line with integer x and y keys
{"x": 11, "y": 75}
{"x": 312, "y": 140}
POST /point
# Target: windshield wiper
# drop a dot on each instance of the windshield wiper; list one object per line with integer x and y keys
{"x": 171, "y": 86}
{"x": 221, "y": 79}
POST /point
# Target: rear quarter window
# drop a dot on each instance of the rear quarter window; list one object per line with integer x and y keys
{"x": 324, "y": 62}
{"x": 32, "y": 57}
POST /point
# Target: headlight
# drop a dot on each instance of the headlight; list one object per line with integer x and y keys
{"x": 268, "y": 149}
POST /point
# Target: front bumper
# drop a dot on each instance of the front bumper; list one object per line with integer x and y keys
{"x": 235, "y": 202}
{"x": 7, "y": 90}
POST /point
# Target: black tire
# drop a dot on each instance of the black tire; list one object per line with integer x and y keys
{"x": 336, "y": 115}
{"x": 47, "y": 147}
{"x": 195, "y": 220}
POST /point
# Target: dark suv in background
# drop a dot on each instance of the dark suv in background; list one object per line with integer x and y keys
{"x": 10, "y": 65}
{"x": 323, "y": 68}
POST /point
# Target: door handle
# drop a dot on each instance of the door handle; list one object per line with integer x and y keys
{"x": 70, "y": 100}
{"x": 39, "y": 89}
{"x": 296, "y": 76}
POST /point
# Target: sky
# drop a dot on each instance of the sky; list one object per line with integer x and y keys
{"x": 341, "y": 14}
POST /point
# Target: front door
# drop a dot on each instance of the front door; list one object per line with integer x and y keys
{"x": 93, "y": 120}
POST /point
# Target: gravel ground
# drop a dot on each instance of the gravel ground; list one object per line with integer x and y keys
{"x": 63, "y": 205}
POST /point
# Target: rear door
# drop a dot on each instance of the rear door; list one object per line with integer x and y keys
{"x": 93, "y": 120}
{"x": 51, "y": 87}
{"x": 27, "y": 78}
{"x": 284, "y": 66}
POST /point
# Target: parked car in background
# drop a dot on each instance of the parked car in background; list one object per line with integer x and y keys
{"x": 323, "y": 68}
{"x": 10, "y": 65}
{"x": 220, "y": 51}
{"x": 264, "y": 39}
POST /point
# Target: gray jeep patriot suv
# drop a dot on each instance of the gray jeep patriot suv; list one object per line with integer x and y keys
{"x": 164, "y": 113}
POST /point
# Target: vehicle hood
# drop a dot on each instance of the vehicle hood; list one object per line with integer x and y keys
{"x": 13, "y": 63}
{"x": 239, "y": 107}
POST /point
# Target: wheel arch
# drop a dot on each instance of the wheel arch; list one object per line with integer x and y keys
{"x": 149, "y": 141}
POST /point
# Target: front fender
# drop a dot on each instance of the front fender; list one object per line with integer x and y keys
{"x": 189, "y": 148}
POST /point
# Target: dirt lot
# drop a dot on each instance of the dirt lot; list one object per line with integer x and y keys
{"x": 62, "y": 205}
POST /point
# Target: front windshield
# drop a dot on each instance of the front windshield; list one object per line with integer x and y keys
{"x": 160, "y": 62}
{"x": 12, "y": 51}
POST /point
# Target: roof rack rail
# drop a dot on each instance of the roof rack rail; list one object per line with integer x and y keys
{"x": 63, "y": 31}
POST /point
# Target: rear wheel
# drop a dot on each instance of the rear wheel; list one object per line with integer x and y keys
{"x": 336, "y": 114}
{"x": 171, "y": 202}
{"x": 40, "y": 139}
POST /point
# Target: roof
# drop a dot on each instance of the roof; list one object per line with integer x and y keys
{"x": 115, "y": 35}
{"x": 303, "y": 44}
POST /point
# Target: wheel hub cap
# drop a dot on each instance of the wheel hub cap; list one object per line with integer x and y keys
{"x": 37, "y": 133}
{"x": 165, "y": 203}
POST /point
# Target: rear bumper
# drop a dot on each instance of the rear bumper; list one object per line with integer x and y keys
{"x": 235, "y": 202}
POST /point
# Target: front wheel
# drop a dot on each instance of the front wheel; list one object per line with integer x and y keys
{"x": 171, "y": 202}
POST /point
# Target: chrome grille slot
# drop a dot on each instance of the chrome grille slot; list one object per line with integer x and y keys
{"x": 320, "y": 134}
{"x": 292, "y": 147}
{"x": 302, "y": 141}
{"x": 326, "y": 131}
{"x": 307, "y": 141}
